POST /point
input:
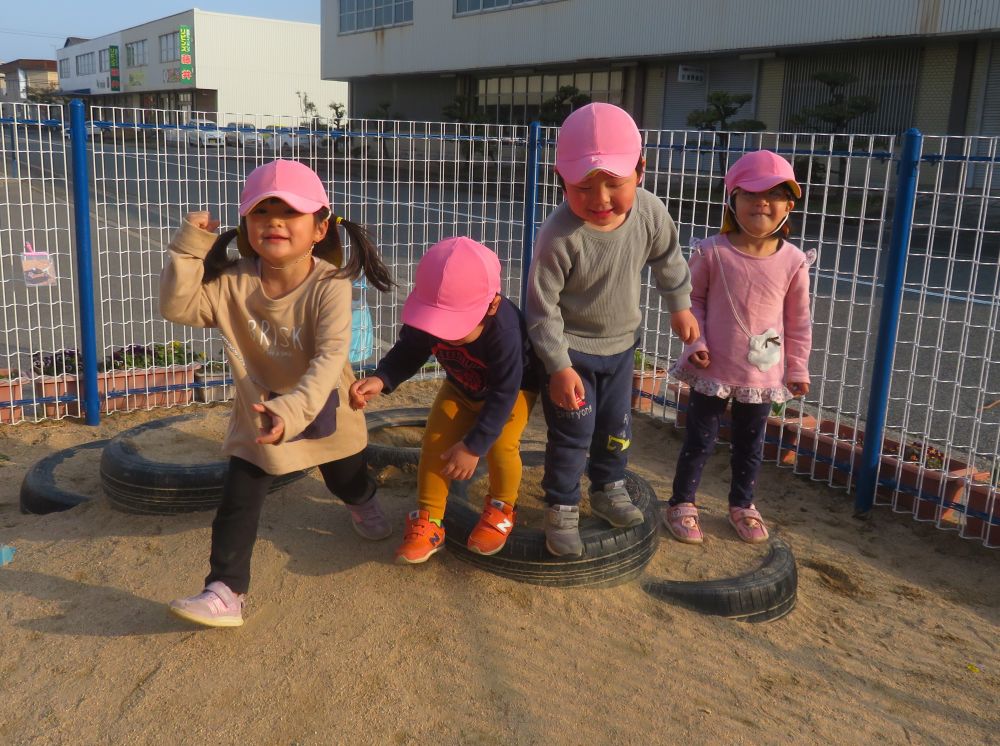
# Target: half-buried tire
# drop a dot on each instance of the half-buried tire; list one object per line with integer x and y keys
{"x": 762, "y": 595}
{"x": 39, "y": 492}
{"x": 136, "y": 483}
{"x": 610, "y": 556}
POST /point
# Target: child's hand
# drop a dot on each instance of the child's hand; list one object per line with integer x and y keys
{"x": 798, "y": 388}
{"x": 272, "y": 434}
{"x": 202, "y": 219}
{"x": 566, "y": 389}
{"x": 700, "y": 359}
{"x": 461, "y": 462}
{"x": 685, "y": 325}
{"x": 364, "y": 389}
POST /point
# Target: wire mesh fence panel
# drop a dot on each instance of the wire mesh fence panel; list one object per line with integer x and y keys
{"x": 39, "y": 339}
{"x": 942, "y": 417}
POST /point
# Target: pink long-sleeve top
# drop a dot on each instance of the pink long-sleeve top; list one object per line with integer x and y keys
{"x": 769, "y": 292}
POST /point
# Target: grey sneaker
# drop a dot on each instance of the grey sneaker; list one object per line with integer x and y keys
{"x": 562, "y": 531}
{"x": 615, "y": 506}
{"x": 369, "y": 521}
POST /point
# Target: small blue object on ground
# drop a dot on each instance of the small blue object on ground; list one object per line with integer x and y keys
{"x": 6, "y": 554}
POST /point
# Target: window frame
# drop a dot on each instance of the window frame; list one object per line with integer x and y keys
{"x": 170, "y": 44}
{"x": 130, "y": 53}
{"x": 369, "y": 15}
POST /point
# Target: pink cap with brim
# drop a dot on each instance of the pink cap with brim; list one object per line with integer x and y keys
{"x": 455, "y": 283}
{"x": 597, "y": 137}
{"x": 290, "y": 181}
{"x": 759, "y": 171}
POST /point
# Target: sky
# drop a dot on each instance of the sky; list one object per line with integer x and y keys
{"x": 35, "y": 29}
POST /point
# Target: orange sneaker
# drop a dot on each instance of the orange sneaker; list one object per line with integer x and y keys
{"x": 421, "y": 539}
{"x": 495, "y": 525}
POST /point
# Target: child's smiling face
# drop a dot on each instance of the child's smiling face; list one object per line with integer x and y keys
{"x": 602, "y": 199}
{"x": 280, "y": 234}
{"x": 761, "y": 213}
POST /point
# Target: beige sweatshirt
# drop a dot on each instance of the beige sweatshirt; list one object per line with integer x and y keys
{"x": 290, "y": 353}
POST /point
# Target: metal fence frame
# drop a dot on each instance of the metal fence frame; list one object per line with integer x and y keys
{"x": 415, "y": 182}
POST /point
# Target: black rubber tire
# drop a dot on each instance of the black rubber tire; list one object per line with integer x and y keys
{"x": 39, "y": 492}
{"x": 381, "y": 456}
{"x": 761, "y": 595}
{"x": 610, "y": 556}
{"x": 136, "y": 484}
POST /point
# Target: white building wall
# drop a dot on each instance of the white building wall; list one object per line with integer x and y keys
{"x": 255, "y": 64}
{"x": 569, "y": 30}
{"x": 258, "y": 64}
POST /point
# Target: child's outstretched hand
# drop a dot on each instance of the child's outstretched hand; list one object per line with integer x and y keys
{"x": 364, "y": 389}
{"x": 700, "y": 359}
{"x": 461, "y": 462}
{"x": 685, "y": 325}
{"x": 202, "y": 219}
{"x": 798, "y": 388}
{"x": 272, "y": 434}
{"x": 566, "y": 389}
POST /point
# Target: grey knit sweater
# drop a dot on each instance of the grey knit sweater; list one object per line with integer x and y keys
{"x": 584, "y": 284}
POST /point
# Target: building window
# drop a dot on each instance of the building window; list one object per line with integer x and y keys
{"x": 85, "y": 64}
{"x": 519, "y": 99}
{"x": 480, "y": 6}
{"x": 64, "y": 68}
{"x": 103, "y": 62}
{"x": 365, "y": 15}
{"x": 135, "y": 54}
{"x": 170, "y": 47}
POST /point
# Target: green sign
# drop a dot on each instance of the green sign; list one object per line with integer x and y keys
{"x": 116, "y": 74}
{"x": 187, "y": 61}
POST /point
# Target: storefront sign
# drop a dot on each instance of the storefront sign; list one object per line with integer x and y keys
{"x": 137, "y": 78}
{"x": 187, "y": 60}
{"x": 116, "y": 75}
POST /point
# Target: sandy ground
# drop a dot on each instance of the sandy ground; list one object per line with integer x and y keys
{"x": 894, "y": 638}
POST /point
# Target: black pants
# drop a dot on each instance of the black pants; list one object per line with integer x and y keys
{"x": 749, "y": 425}
{"x": 234, "y": 530}
{"x": 601, "y": 428}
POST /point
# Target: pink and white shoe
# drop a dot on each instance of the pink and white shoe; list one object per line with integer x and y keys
{"x": 216, "y": 606}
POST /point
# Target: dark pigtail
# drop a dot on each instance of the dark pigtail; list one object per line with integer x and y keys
{"x": 217, "y": 259}
{"x": 364, "y": 256}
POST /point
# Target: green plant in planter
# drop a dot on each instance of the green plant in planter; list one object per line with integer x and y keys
{"x": 157, "y": 355}
{"x": 59, "y": 363}
{"x": 213, "y": 367}
{"x": 644, "y": 361}
{"x": 9, "y": 374}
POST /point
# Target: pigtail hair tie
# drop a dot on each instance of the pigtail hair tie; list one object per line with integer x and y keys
{"x": 339, "y": 220}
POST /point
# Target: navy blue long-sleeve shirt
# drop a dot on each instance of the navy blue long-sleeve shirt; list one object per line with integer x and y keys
{"x": 491, "y": 369}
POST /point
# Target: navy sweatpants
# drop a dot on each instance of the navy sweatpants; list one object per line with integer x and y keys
{"x": 703, "y": 416}
{"x": 601, "y": 428}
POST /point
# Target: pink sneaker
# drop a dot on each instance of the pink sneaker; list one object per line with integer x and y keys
{"x": 216, "y": 606}
{"x": 369, "y": 521}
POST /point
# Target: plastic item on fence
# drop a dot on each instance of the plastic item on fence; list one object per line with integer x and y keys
{"x": 362, "y": 328}
{"x": 6, "y": 555}
{"x": 37, "y": 267}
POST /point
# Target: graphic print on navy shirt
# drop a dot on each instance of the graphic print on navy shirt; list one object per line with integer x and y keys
{"x": 469, "y": 371}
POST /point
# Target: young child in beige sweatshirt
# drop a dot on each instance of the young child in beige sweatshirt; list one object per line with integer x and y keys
{"x": 284, "y": 312}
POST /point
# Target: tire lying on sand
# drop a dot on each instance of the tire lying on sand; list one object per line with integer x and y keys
{"x": 611, "y": 555}
{"x": 381, "y": 455}
{"x": 39, "y": 492}
{"x": 761, "y": 595}
{"x": 136, "y": 482}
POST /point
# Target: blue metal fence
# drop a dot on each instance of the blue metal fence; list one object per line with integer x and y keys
{"x": 934, "y": 277}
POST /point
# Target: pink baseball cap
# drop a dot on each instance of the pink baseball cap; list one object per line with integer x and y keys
{"x": 759, "y": 171}
{"x": 290, "y": 181}
{"x": 455, "y": 282}
{"x": 597, "y": 137}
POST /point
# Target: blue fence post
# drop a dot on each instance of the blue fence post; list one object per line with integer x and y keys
{"x": 84, "y": 261}
{"x": 888, "y": 327}
{"x": 530, "y": 204}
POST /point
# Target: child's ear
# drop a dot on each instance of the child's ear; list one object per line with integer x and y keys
{"x": 321, "y": 230}
{"x": 494, "y": 305}
{"x": 640, "y": 170}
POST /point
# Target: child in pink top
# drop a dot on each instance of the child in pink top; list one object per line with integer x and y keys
{"x": 750, "y": 295}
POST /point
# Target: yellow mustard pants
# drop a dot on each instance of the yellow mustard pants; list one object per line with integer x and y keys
{"x": 452, "y": 416}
